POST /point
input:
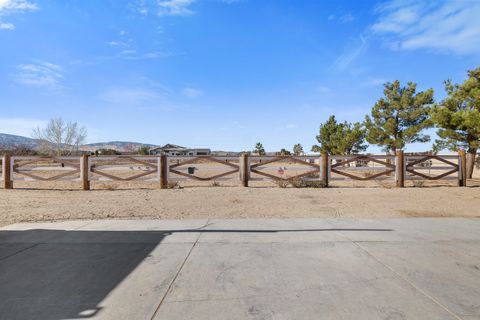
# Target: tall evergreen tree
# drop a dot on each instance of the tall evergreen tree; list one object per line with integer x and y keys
{"x": 458, "y": 118}
{"x": 259, "y": 149}
{"x": 298, "y": 149}
{"x": 340, "y": 138}
{"x": 284, "y": 152}
{"x": 399, "y": 117}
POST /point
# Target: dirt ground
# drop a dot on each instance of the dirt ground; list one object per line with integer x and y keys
{"x": 20, "y": 205}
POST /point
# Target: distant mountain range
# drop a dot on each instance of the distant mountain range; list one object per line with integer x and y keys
{"x": 10, "y": 141}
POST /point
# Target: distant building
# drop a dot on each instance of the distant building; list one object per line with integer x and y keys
{"x": 174, "y": 150}
{"x": 226, "y": 153}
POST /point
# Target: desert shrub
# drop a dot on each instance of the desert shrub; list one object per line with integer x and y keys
{"x": 315, "y": 184}
{"x": 297, "y": 183}
{"x": 174, "y": 185}
{"x": 282, "y": 183}
{"x": 215, "y": 184}
{"x": 19, "y": 151}
{"x": 418, "y": 183}
{"x": 143, "y": 151}
{"x": 107, "y": 152}
{"x": 108, "y": 186}
{"x": 301, "y": 183}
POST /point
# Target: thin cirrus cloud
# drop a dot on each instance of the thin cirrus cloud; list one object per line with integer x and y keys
{"x": 132, "y": 96}
{"x": 346, "y": 58}
{"x": 442, "y": 26}
{"x": 170, "y": 7}
{"x": 8, "y": 7}
{"x": 192, "y": 93}
{"x": 175, "y": 7}
{"x": 41, "y": 74}
{"x": 344, "y": 18}
{"x": 7, "y": 26}
{"x": 163, "y": 7}
{"x": 445, "y": 26}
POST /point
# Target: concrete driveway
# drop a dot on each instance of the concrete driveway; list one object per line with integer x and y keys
{"x": 241, "y": 269}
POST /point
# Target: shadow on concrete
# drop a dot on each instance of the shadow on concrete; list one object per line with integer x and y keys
{"x": 58, "y": 274}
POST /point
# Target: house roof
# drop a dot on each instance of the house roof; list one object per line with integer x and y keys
{"x": 168, "y": 146}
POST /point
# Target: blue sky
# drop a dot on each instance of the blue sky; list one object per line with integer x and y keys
{"x": 222, "y": 74}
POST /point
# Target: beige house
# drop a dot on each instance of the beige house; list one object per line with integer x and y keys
{"x": 175, "y": 150}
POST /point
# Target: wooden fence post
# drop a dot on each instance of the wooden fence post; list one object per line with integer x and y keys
{"x": 324, "y": 168}
{"x": 245, "y": 174}
{"x": 163, "y": 172}
{"x": 85, "y": 172}
{"x": 400, "y": 166}
{"x": 462, "y": 176}
{"x": 7, "y": 173}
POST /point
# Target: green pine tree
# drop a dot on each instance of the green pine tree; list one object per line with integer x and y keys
{"x": 284, "y": 152}
{"x": 259, "y": 149}
{"x": 298, "y": 149}
{"x": 458, "y": 118}
{"x": 340, "y": 138}
{"x": 399, "y": 117}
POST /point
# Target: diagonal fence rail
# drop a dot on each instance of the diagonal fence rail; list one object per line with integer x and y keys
{"x": 281, "y": 169}
{"x": 362, "y": 167}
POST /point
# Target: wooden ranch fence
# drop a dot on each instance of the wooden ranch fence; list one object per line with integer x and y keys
{"x": 163, "y": 169}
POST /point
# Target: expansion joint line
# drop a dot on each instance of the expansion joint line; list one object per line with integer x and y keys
{"x": 170, "y": 286}
{"x": 409, "y": 282}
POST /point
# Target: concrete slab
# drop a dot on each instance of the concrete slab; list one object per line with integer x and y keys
{"x": 448, "y": 271}
{"x": 242, "y": 269}
{"x": 378, "y": 299}
{"x": 94, "y": 280}
{"x": 285, "y": 281}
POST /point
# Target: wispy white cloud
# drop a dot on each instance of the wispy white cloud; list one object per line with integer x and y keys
{"x": 443, "y": 26}
{"x": 132, "y": 96}
{"x": 174, "y": 7}
{"x": 291, "y": 126}
{"x": 163, "y": 7}
{"x": 232, "y": 1}
{"x": 344, "y": 18}
{"x": 192, "y": 93}
{"x": 40, "y": 74}
{"x": 8, "y": 7}
{"x": 132, "y": 54}
{"x": 447, "y": 26}
{"x": 117, "y": 43}
{"x": 20, "y": 126}
{"x": 323, "y": 89}
{"x": 347, "y": 57}
{"x": 17, "y": 5}
{"x": 7, "y": 26}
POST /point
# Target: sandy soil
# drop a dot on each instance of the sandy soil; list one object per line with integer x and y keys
{"x": 236, "y": 202}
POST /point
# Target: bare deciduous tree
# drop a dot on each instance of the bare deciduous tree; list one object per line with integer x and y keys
{"x": 60, "y": 137}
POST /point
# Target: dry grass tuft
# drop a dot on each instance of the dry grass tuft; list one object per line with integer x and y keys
{"x": 282, "y": 183}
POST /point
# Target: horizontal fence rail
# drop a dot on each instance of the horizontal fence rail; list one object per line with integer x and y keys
{"x": 283, "y": 170}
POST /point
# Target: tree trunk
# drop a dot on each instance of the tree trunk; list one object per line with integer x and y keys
{"x": 471, "y": 153}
